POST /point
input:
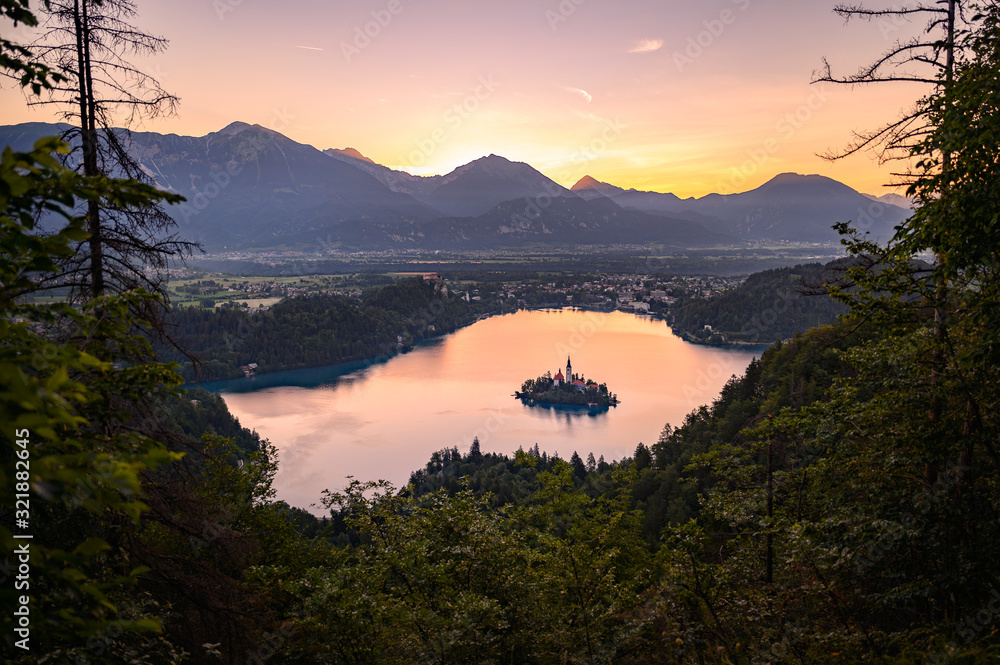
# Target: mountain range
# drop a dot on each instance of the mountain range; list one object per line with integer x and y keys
{"x": 251, "y": 187}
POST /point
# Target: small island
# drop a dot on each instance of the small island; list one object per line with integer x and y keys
{"x": 569, "y": 389}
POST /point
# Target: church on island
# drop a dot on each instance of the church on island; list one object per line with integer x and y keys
{"x": 568, "y": 379}
{"x": 568, "y": 388}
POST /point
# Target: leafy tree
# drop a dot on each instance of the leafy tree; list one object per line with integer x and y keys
{"x": 930, "y": 60}
{"x": 64, "y": 400}
{"x": 15, "y": 59}
{"x": 861, "y": 525}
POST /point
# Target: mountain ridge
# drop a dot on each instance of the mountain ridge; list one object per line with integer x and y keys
{"x": 250, "y": 186}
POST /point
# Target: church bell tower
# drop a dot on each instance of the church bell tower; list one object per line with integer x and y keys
{"x": 569, "y": 371}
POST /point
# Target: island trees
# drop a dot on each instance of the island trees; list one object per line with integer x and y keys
{"x": 545, "y": 390}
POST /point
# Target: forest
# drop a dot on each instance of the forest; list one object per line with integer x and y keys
{"x": 837, "y": 503}
{"x": 770, "y": 305}
{"x": 310, "y": 331}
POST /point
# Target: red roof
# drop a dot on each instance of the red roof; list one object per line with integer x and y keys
{"x": 559, "y": 376}
{"x": 578, "y": 382}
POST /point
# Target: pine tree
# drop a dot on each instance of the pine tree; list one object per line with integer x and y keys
{"x": 89, "y": 42}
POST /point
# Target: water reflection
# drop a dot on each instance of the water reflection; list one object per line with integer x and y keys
{"x": 384, "y": 419}
{"x": 568, "y": 412}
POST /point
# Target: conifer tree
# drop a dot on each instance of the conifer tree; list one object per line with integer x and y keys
{"x": 89, "y": 43}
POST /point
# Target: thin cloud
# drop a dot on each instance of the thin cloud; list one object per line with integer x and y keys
{"x": 647, "y": 46}
{"x": 309, "y": 48}
{"x": 583, "y": 93}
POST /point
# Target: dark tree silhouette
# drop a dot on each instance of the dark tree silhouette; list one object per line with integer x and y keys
{"x": 89, "y": 42}
{"x": 928, "y": 59}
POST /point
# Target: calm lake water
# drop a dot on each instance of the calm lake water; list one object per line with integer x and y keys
{"x": 383, "y": 420}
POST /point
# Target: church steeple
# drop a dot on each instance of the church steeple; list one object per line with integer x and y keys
{"x": 569, "y": 371}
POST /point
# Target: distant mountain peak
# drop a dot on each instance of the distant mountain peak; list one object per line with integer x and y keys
{"x": 894, "y": 199}
{"x": 350, "y": 152}
{"x": 490, "y": 164}
{"x": 233, "y": 128}
{"x": 591, "y": 188}
{"x": 587, "y": 182}
{"x": 783, "y": 178}
{"x": 491, "y": 161}
{"x": 799, "y": 181}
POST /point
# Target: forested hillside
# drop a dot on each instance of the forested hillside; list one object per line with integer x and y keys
{"x": 769, "y": 305}
{"x": 838, "y": 503}
{"x": 313, "y": 330}
{"x": 665, "y": 489}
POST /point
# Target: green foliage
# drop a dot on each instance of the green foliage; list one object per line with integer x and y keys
{"x": 769, "y": 305}
{"x": 957, "y": 184}
{"x": 198, "y": 412}
{"x": 15, "y": 59}
{"x": 857, "y": 520}
{"x": 450, "y": 579}
{"x": 836, "y": 503}
{"x": 311, "y": 331}
{"x": 67, "y": 379}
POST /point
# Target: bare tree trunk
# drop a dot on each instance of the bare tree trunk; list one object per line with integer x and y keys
{"x": 941, "y": 291}
{"x": 88, "y": 141}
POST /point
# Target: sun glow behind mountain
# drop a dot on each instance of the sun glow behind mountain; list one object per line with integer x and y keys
{"x": 675, "y": 96}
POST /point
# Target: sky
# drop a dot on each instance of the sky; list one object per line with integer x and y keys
{"x": 662, "y": 95}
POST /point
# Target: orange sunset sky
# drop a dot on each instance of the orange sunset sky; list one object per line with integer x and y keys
{"x": 679, "y": 96}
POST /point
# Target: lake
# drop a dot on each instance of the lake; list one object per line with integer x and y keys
{"x": 383, "y": 420}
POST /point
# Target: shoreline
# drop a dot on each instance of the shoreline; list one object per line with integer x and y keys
{"x": 345, "y": 367}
